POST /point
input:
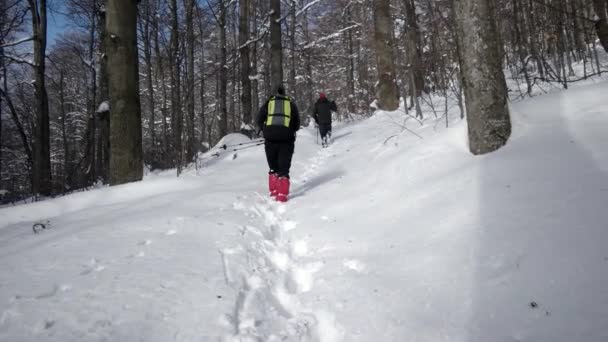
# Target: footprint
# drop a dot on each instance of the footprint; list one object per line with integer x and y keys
{"x": 171, "y": 232}
{"x": 144, "y": 243}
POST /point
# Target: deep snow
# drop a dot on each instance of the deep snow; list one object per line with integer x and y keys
{"x": 387, "y": 237}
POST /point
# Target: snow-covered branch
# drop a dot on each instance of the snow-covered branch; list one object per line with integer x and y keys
{"x": 20, "y": 60}
{"x": 17, "y": 42}
{"x": 331, "y": 36}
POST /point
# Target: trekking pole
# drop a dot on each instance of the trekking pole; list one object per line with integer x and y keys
{"x": 257, "y": 141}
{"x": 217, "y": 154}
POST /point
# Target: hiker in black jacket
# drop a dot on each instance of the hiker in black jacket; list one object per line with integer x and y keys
{"x": 322, "y": 115}
{"x": 279, "y": 119}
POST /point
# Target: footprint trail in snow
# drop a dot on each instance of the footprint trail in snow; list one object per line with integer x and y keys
{"x": 269, "y": 272}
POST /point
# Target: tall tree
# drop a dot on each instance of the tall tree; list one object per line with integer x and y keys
{"x": 42, "y": 136}
{"x": 276, "y": 47}
{"x": 601, "y": 25}
{"x": 126, "y": 159}
{"x": 223, "y": 71}
{"x": 176, "y": 94}
{"x": 484, "y": 81}
{"x": 387, "y": 94}
{"x": 245, "y": 64}
{"x": 190, "y": 108}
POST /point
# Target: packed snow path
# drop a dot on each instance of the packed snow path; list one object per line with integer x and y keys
{"x": 387, "y": 237}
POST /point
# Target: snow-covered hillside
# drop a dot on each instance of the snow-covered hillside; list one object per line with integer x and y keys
{"x": 387, "y": 237}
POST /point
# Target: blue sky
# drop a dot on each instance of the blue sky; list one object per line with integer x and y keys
{"x": 56, "y": 25}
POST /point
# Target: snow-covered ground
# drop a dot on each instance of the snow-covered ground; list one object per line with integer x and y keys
{"x": 387, "y": 237}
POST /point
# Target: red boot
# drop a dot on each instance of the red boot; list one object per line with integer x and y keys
{"x": 283, "y": 189}
{"x": 273, "y": 181}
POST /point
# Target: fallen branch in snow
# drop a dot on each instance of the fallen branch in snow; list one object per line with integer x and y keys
{"x": 404, "y": 127}
{"x": 571, "y": 81}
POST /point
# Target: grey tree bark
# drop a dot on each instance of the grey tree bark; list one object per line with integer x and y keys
{"x": 148, "y": 12}
{"x": 103, "y": 148}
{"x": 246, "y": 107}
{"x": 126, "y": 160}
{"x": 601, "y": 25}
{"x": 42, "y": 137}
{"x": 276, "y": 47}
{"x": 190, "y": 136}
{"x": 223, "y": 74}
{"x": 387, "y": 94}
{"x": 484, "y": 85}
{"x": 176, "y": 94}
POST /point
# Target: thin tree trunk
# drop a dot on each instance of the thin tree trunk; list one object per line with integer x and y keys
{"x": 245, "y": 67}
{"x": 104, "y": 95}
{"x": 90, "y": 167}
{"x": 42, "y": 153}
{"x": 126, "y": 160}
{"x": 276, "y": 47}
{"x": 176, "y": 95}
{"x": 149, "y": 74}
{"x": 190, "y": 136}
{"x": 202, "y": 80}
{"x": 413, "y": 50}
{"x": 64, "y": 135}
{"x": 223, "y": 73}
{"x": 351, "y": 66}
{"x": 292, "y": 41}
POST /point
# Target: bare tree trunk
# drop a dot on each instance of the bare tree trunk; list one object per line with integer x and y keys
{"x": 90, "y": 167}
{"x": 521, "y": 52}
{"x": 276, "y": 47}
{"x": 103, "y": 148}
{"x": 202, "y": 80}
{"x": 601, "y": 25}
{"x": 245, "y": 66}
{"x": 42, "y": 153}
{"x": 579, "y": 37}
{"x": 166, "y": 153}
{"x": 223, "y": 72}
{"x": 484, "y": 82}
{"x": 3, "y": 70}
{"x": 126, "y": 160}
{"x": 147, "y": 37}
{"x": 308, "y": 67}
{"x": 255, "y": 99}
{"x": 387, "y": 94}
{"x": 176, "y": 94}
{"x": 292, "y": 41}
{"x": 413, "y": 50}
{"x": 190, "y": 136}
{"x": 64, "y": 135}
{"x": 351, "y": 67}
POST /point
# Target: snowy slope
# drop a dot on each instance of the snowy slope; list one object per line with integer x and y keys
{"x": 387, "y": 237}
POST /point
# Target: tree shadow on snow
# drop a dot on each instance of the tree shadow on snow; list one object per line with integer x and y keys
{"x": 316, "y": 182}
{"x": 542, "y": 232}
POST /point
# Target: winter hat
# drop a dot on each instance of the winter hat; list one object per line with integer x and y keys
{"x": 280, "y": 90}
{"x": 321, "y": 95}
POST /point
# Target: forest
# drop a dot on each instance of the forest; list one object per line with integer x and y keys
{"x": 200, "y": 70}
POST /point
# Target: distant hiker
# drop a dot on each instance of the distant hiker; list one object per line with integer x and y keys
{"x": 322, "y": 115}
{"x": 279, "y": 119}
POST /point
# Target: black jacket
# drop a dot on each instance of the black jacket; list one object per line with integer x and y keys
{"x": 322, "y": 111}
{"x": 279, "y": 133}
